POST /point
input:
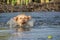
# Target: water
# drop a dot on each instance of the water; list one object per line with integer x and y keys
{"x": 46, "y": 23}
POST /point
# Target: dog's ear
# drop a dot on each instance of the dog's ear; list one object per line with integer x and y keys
{"x": 15, "y": 18}
{"x": 29, "y": 17}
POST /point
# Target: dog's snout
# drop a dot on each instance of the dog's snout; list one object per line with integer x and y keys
{"x": 24, "y": 23}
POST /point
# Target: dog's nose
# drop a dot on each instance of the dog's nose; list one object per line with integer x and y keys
{"x": 23, "y": 22}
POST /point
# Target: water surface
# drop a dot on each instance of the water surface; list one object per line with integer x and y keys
{"x": 46, "y": 23}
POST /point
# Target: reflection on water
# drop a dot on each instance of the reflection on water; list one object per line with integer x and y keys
{"x": 45, "y": 24}
{"x": 36, "y": 34}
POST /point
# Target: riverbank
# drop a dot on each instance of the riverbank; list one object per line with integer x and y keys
{"x": 31, "y": 7}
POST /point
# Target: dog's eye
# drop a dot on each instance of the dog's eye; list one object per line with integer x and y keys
{"x": 25, "y": 17}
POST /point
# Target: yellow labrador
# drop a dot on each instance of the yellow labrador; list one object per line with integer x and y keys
{"x": 21, "y": 22}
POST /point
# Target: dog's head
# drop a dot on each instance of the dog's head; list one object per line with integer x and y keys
{"x": 22, "y": 19}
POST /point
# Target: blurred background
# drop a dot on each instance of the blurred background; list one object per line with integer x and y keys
{"x": 29, "y": 5}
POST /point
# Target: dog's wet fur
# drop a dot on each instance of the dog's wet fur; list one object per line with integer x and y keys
{"x": 21, "y": 23}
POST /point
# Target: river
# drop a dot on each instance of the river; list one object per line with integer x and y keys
{"x": 46, "y": 24}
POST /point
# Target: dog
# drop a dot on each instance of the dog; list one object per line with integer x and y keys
{"x": 21, "y": 22}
